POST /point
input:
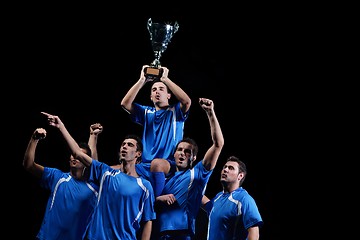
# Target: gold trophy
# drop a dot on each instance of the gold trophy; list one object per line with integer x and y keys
{"x": 160, "y": 36}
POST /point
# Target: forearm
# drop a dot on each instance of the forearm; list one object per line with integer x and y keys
{"x": 253, "y": 233}
{"x": 29, "y": 159}
{"x": 216, "y": 133}
{"x": 213, "y": 153}
{"x": 146, "y": 231}
{"x": 29, "y": 156}
{"x": 130, "y": 96}
{"x": 92, "y": 144}
{"x": 178, "y": 92}
{"x": 74, "y": 147}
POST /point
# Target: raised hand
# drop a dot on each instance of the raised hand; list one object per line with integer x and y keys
{"x": 96, "y": 128}
{"x": 206, "y": 104}
{"x": 39, "y": 133}
{"x": 53, "y": 120}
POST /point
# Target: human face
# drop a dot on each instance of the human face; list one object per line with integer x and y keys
{"x": 74, "y": 163}
{"x": 159, "y": 93}
{"x": 183, "y": 155}
{"x": 230, "y": 173}
{"x": 128, "y": 150}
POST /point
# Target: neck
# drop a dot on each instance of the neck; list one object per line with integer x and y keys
{"x": 159, "y": 106}
{"x": 129, "y": 169}
{"x": 228, "y": 187}
{"x": 78, "y": 173}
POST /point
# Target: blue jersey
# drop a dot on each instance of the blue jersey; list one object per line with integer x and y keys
{"x": 124, "y": 201}
{"x": 69, "y": 207}
{"x": 188, "y": 188}
{"x": 162, "y": 130}
{"x": 231, "y": 214}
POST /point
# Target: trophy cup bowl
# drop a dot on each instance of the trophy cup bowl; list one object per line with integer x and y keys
{"x": 160, "y": 36}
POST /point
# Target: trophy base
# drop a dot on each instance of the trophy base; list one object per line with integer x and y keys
{"x": 153, "y": 72}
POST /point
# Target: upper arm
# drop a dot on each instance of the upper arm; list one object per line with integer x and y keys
{"x": 185, "y": 106}
{"x": 36, "y": 169}
{"x": 83, "y": 157}
{"x": 211, "y": 157}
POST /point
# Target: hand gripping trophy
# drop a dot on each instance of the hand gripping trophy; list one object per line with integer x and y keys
{"x": 160, "y": 36}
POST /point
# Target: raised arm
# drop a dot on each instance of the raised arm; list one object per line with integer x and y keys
{"x": 181, "y": 96}
{"x": 127, "y": 101}
{"x": 212, "y": 154}
{"x": 95, "y": 130}
{"x": 74, "y": 147}
{"x": 29, "y": 158}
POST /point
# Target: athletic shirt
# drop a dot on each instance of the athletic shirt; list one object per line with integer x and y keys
{"x": 188, "y": 188}
{"x": 162, "y": 130}
{"x": 69, "y": 206}
{"x": 231, "y": 214}
{"x": 123, "y": 202}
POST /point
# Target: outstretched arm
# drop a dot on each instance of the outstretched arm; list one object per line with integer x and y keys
{"x": 181, "y": 96}
{"x": 95, "y": 130}
{"x": 29, "y": 158}
{"x": 74, "y": 147}
{"x": 127, "y": 101}
{"x": 212, "y": 154}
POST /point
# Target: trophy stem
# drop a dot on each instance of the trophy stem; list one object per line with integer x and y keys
{"x": 156, "y": 62}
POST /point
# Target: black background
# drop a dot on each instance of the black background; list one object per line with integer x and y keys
{"x": 78, "y": 62}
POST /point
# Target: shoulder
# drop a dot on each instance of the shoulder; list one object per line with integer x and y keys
{"x": 242, "y": 195}
{"x": 53, "y": 171}
{"x": 145, "y": 182}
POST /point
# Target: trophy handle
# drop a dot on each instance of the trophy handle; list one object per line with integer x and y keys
{"x": 176, "y": 27}
{"x": 149, "y": 23}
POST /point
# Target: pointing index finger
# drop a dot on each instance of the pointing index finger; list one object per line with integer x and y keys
{"x": 46, "y": 114}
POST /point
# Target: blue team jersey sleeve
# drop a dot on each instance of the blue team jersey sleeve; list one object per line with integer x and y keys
{"x": 50, "y": 177}
{"x": 149, "y": 211}
{"x": 251, "y": 214}
{"x": 138, "y": 114}
{"x": 97, "y": 169}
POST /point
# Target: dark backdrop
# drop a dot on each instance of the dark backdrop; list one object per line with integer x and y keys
{"x": 79, "y": 63}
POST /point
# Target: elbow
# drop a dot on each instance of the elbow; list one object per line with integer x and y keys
{"x": 219, "y": 143}
{"x": 27, "y": 164}
{"x": 123, "y": 103}
{"x": 125, "y": 106}
{"x": 185, "y": 104}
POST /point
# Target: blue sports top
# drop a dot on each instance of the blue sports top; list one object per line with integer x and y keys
{"x": 231, "y": 214}
{"x": 162, "y": 130}
{"x": 124, "y": 201}
{"x": 69, "y": 206}
{"x": 188, "y": 188}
